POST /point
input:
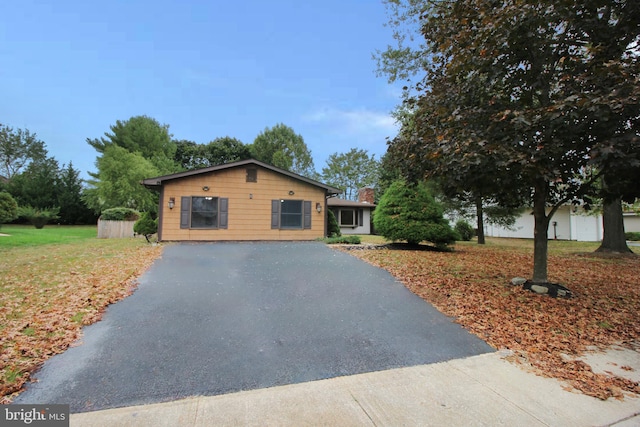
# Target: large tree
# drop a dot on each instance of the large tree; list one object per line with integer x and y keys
{"x": 117, "y": 182}
{"x": 142, "y": 135}
{"x": 613, "y": 75}
{"x": 414, "y": 154}
{"x": 135, "y": 149}
{"x": 37, "y": 185}
{"x": 280, "y": 146}
{"x": 69, "y": 189}
{"x": 525, "y": 55}
{"x": 190, "y": 155}
{"x": 17, "y": 148}
{"x": 351, "y": 171}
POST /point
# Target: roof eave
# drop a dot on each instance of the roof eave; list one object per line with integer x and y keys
{"x": 158, "y": 181}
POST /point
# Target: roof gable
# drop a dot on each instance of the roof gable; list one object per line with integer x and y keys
{"x": 158, "y": 181}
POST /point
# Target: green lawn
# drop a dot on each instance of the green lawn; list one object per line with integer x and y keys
{"x": 28, "y": 235}
{"x": 555, "y": 246}
{"x": 52, "y": 282}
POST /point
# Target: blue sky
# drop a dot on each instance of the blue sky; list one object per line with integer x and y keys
{"x": 208, "y": 69}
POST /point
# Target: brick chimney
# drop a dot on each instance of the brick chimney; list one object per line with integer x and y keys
{"x": 366, "y": 195}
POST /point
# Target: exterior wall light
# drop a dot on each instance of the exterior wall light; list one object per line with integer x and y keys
{"x": 291, "y": 192}
{"x": 172, "y": 202}
{"x": 205, "y": 188}
{"x": 318, "y": 207}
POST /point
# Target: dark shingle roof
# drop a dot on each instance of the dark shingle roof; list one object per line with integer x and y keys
{"x": 157, "y": 181}
{"x": 334, "y": 201}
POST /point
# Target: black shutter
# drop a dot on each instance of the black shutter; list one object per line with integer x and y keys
{"x": 307, "y": 214}
{"x": 360, "y": 217}
{"x": 185, "y": 212}
{"x": 223, "y": 212}
{"x": 275, "y": 214}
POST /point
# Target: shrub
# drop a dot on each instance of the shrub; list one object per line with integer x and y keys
{"x": 120, "y": 214}
{"x": 333, "y": 229}
{"x": 146, "y": 226}
{"x": 465, "y": 230}
{"x": 410, "y": 213}
{"x": 8, "y": 208}
{"x": 632, "y": 235}
{"x": 350, "y": 240}
{"x": 38, "y": 217}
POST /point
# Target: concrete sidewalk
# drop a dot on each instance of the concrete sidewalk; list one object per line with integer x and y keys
{"x": 483, "y": 390}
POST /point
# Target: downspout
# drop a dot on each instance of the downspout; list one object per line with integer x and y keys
{"x": 160, "y": 213}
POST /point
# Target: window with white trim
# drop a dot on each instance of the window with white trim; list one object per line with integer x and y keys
{"x": 348, "y": 217}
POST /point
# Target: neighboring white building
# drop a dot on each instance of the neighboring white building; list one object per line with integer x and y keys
{"x": 568, "y": 223}
{"x": 354, "y": 217}
{"x": 631, "y": 221}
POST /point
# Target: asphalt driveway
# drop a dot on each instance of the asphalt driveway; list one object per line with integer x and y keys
{"x": 210, "y": 319}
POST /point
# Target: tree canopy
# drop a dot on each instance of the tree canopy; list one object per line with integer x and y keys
{"x": 17, "y": 148}
{"x": 135, "y": 149}
{"x": 351, "y": 171}
{"x": 280, "y": 146}
{"x": 117, "y": 182}
{"x": 190, "y": 155}
{"x": 37, "y": 185}
{"x": 517, "y": 86}
{"x": 143, "y": 135}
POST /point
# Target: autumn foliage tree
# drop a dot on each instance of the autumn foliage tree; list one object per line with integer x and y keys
{"x": 409, "y": 213}
{"x": 518, "y": 86}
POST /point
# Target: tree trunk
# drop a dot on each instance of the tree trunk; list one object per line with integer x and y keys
{"x": 613, "y": 239}
{"x": 540, "y": 241}
{"x": 480, "y": 216}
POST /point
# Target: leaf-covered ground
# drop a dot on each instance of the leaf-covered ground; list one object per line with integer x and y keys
{"x": 48, "y": 293}
{"x": 472, "y": 285}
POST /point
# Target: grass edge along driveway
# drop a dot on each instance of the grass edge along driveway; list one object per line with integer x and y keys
{"x": 55, "y": 281}
{"x": 49, "y": 291}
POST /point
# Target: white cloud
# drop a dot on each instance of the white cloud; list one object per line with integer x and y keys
{"x": 359, "y": 121}
{"x": 331, "y": 130}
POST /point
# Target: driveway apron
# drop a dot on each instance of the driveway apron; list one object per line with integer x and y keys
{"x": 216, "y": 318}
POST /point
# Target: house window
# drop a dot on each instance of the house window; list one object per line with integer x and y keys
{"x": 204, "y": 212}
{"x": 252, "y": 175}
{"x": 291, "y": 214}
{"x": 348, "y": 217}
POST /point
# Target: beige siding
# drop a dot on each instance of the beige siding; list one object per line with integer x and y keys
{"x": 249, "y": 205}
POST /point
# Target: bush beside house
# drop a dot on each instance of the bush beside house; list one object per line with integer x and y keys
{"x": 409, "y": 212}
{"x": 146, "y": 226}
